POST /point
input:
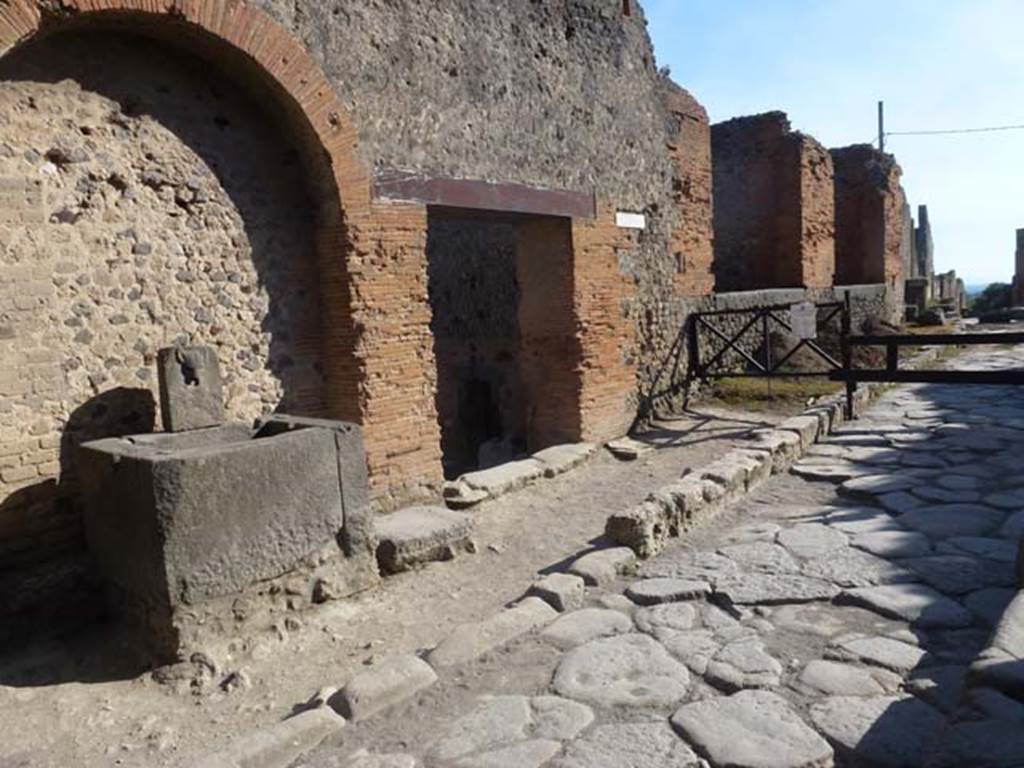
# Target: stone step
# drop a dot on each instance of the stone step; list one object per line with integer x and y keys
{"x": 419, "y": 535}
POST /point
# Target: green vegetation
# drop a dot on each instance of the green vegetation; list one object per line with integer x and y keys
{"x": 995, "y": 296}
{"x": 778, "y": 395}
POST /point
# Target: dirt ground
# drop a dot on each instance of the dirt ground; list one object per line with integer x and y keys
{"x": 79, "y": 702}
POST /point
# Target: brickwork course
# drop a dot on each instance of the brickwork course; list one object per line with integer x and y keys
{"x": 210, "y": 180}
{"x": 773, "y": 206}
{"x": 870, "y": 207}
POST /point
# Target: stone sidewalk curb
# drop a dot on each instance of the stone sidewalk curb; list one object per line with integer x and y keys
{"x": 278, "y": 746}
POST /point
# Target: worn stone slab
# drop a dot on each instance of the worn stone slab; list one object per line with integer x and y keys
{"x": 504, "y": 478}
{"x": 419, "y": 535}
{"x": 932, "y": 494}
{"x": 833, "y": 472}
{"x": 870, "y": 486}
{"x": 773, "y": 589}
{"x": 960, "y": 574}
{"x": 743, "y": 664}
{"x": 457, "y": 495}
{"x": 666, "y": 590}
{"x": 948, "y": 520}
{"x": 999, "y": 550}
{"x": 364, "y": 759}
{"x": 1013, "y": 528}
{"x": 990, "y": 604}
{"x": 761, "y": 556}
{"x": 811, "y": 540}
{"x": 995, "y": 705}
{"x": 604, "y": 565}
{"x": 893, "y": 544}
{"x": 559, "y": 459}
{"x": 667, "y": 619}
{"x": 562, "y": 591}
{"x": 532, "y": 753}
{"x": 509, "y": 722}
{"x": 738, "y": 471}
{"x": 695, "y": 648}
{"x": 940, "y": 686}
{"x": 880, "y": 651}
{"x": 980, "y": 744}
{"x": 834, "y": 678}
{"x": 588, "y": 624}
{"x": 916, "y": 604}
{"x": 628, "y": 449}
{"x": 899, "y": 502}
{"x": 470, "y": 641}
{"x": 751, "y": 729}
{"x": 391, "y": 682}
{"x": 878, "y": 731}
{"x": 625, "y": 671}
{"x": 692, "y": 566}
{"x": 191, "y": 388}
{"x": 751, "y": 532}
{"x": 629, "y": 745}
{"x": 1012, "y": 501}
{"x": 850, "y": 567}
{"x": 807, "y": 427}
{"x": 279, "y": 745}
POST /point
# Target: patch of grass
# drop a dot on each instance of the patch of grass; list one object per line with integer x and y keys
{"x": 779, "y": 395}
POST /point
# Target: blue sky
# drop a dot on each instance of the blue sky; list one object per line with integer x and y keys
{"x": 937, "y": 64}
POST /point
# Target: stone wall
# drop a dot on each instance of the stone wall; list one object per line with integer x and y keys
{"x": 924, "y": 245}
{"x": 773, "y": 206}
{"x": 1018, "y": 276}
{"x": 870, "y": 209}
{"x": 689, "y": 145}
{"x": 136, "y": 218}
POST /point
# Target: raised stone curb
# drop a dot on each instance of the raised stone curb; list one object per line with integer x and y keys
{"x": 279, "y": 745}
{"x": 604, "y": 565}
{"x": 418, "y": 535}
{"x": 390, "y": 682}
{"x": 470, "y": 641}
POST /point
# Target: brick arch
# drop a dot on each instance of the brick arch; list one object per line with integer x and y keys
{"x": 241, "y": 27}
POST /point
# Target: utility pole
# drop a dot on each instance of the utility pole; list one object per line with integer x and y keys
{"x": 881, "y": 126}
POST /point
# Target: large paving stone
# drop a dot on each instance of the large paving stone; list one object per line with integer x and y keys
{"x": 880, "y": 651}
{"x": 743, "y": 664}
{"x": 945, "y": 495}
{"x": 892, "y": 544}
{"x": 762, "y": 530}
{"x": 947, "y": 520}
{"x": 392, "y": 681}
{"x": 870, "y": 486}
{"x": 625, "y": 671}
{"x": 665, "y": 620}
{"x": 878, "y": 731}
{"x": 917, "y": 604}
{"x": 504, "y": 721}
{"x": 959, "y": 574}
{"x": 751, "y": 729}
{"x": 419, "y": 535}
{"x": 811, "y": 540}
{"x": 582, "y": 626}
{"x": 629, "y": 745}
{"x": 761, "y": 556}
{"x": 695, "y": 648}
{"x": 666, "y": 590}
{"x": 989, "y": 605}
{"x": 364, "y": 759}
{"x": 604, "y": 565}
{"x": 532, "y": 753}
{"x": 832, "y": 471}
{"x": 899, "y": 502}
{"x": 1013, "y": 528}
{"x": 854, "y": 568}
{"x": 692, "y": 566}
{"x": 470, "y": 641}
{"x": 774, "y": 589}
{"x": 980, "y": 744}
{"x": 279, "y": 745}
{"x": 833, "y": 678}
{"x": 856, "y": 520}
{"x": 999, "y": 550}
{"x": 940, "y": 686}
{"x": 559, "y": 459}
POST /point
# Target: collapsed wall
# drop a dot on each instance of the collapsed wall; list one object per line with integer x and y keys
{"x": 774, "y": 207}
{"x": 870, "y": 216}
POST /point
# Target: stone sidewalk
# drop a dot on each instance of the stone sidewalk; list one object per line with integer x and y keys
{"x": 830, "y": 618}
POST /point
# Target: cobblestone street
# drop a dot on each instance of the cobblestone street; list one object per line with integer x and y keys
{"x": 840, "y": 614}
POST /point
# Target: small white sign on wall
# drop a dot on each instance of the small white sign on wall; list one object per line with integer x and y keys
{"x": 631, "y": 220}
{"x": 803, "y": 317}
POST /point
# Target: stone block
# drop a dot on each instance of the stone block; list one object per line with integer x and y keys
{"x": 504, "y": 478}
{"x": 174, "y": 520}
{"x": 191, "y": 392}
{"x": 806, "y": 426}
{"x": 559, "y": 459}
{"x": 605, "y": 565}
{"x": 783, "y": 445}
{"x": 391, "y": 682}
{"x": 279, "y": 745}
{"x": 562, "y": 591}
{"x": 470, "y": 641}
{"x": 643, "y": 528}
{"x": 418, "y": 535}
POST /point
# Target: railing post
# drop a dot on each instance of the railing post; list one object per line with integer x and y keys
{"x": 847, "y": 353}
{"x": 892, "y": 356}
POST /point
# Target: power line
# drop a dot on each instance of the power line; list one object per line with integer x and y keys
{"x": 957, "y": 130}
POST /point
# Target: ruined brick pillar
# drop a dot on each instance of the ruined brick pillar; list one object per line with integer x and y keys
{"x": 774, "y": 210}
{"x": 689, "y": 147}
{"x": 870, "y": 216}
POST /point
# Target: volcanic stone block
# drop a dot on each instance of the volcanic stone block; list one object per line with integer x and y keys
{"x": 177, "y": 519}
{"x": 384, "y": 685}
{"x": 191, "y": 393}
{"x": 420, "y": 535}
